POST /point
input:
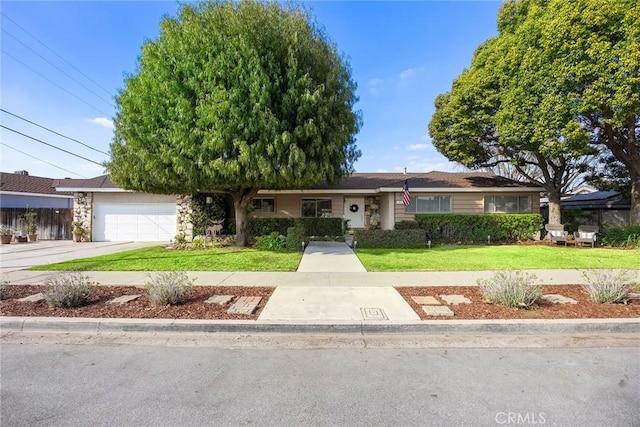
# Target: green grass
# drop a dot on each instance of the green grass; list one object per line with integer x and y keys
{"x": 469, "y": 258}
{"x": 159, "y": 259}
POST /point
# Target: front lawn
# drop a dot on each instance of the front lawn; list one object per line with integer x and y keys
{"x": 160, "y": 259}
{"x": 469, "y": 258}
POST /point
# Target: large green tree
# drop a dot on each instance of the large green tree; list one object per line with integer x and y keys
{"x": 236, "y": 97}
{"x": 561, "y": 81}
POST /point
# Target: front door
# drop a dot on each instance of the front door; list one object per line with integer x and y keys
{"x": 354, "y": 211}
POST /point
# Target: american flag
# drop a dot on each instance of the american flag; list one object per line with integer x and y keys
{"x": 406, "y": 196}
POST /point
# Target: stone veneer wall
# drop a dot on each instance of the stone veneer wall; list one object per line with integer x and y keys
{"x": 83, "y": 212}
{"x": 184, "y": 226}
{"x": 372, "y": 212}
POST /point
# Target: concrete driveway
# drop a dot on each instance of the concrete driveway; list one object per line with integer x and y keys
{"x": 19, "y": 256}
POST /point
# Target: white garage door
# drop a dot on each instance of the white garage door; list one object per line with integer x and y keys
{"x": 143, "y": 222}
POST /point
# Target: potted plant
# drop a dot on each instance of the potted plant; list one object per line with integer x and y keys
{"x": 6, "y": 234}
{"x": 79, "y": 231}
{"x": 29, "y": 218}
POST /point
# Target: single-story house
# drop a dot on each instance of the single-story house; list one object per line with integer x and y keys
{"x": 365, "y": 199}
{"x": 20, "y": 189}
{"x": 606, "y": 207}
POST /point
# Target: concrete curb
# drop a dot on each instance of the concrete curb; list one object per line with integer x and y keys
{"x": 528, "y": 326}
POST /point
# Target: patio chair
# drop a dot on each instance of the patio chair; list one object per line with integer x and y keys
{"x": 556, "y": 233}
{"x": 586, "y": 234}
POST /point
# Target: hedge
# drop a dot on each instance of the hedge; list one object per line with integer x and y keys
{"x": 390, "y": 238}
{"x": 313, "y": 226}
{"x": 503, "y": 228}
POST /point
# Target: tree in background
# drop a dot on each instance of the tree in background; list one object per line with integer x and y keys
{"x": 611, "y": 174}
{"x": 236, "y": 97}
{"x": 559, "y": 82}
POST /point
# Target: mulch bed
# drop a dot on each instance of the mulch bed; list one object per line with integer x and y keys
{"x": 478, "y": 309}
{"x": 141, "y": 308}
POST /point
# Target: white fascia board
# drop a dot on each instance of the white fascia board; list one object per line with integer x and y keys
{"x": 464, "y": 190}
{"x": 20, "y": 193}
{"x": 94, "y": 190}
{"x": 319, "y": 191}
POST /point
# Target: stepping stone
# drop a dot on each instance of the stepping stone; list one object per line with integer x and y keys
{"x": 558, "y": 299}
{"x": 437, "y": 310}
{"x": 123, "y": 299}
{"x": 245, "y": 305}
{"x": 426, "y": 300}
{"x": 220, "y": 299}
{"x": 455, "y": 299}
{"x": 634, "y": 295}
{"x": 33, "y": 298}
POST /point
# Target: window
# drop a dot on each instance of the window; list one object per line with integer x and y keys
{"x": 264, "y": 204}
{"x": 507, "y": 204}
{"x": 316, "y": 208}
{"x": 430, "y": 204}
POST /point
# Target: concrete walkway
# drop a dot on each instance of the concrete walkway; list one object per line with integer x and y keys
{"x": 330, "y": 257}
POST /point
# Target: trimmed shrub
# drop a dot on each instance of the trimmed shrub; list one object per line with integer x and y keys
{"x": 513, "y": 289}
{"x": 390, "y": 238}
{"x": 407, "y": 225}
{"x": 295, "y": 237}
{"x": 273, "y": 242}
{"x": 503, "y": 228}
{"x": 608, "y": 286}
{"x": 68, "y": 290}
{"x": 623, "y": 237}
{"x": 313, "y": 226}
{"x": 169, "y": 288}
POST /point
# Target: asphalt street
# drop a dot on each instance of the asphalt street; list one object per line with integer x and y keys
{"x": 60, "y": 381}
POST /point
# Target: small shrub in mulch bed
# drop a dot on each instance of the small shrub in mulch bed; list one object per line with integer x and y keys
{"x": 142, "y": 308}
{"x": 585, "y": 309}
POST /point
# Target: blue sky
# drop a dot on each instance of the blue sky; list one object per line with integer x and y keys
{"x": 63, "y": 62}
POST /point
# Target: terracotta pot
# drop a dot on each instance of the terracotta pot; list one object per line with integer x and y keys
{"x": 33, "y": 237}
{"x": 6, "y": 238}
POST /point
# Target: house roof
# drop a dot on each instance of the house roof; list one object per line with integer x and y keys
{"x": 27, "y": 184}
{"x": 358, "y": 181}
{"x": 597, "y": 200}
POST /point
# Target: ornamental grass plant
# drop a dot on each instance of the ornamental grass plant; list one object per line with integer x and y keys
{"x": 68, "y": 290}
{"x": 609, "y": 286}
{"x": 169, "y": 288}
{"x": 514, "y": 289}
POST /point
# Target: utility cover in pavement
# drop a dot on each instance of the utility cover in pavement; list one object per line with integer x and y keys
{"x": 373, "y": 313}
{"x": 245, "y": 305}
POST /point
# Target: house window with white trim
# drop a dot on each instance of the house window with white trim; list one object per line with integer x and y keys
{"x": 430, "y": 204}
{"x": 316, "y": 208}
{"x": 507, "y": 204}
{"x": 263, "y": 204}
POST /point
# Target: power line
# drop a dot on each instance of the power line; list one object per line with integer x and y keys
{"x": 40, "y": 160}
{"x": 54, "y": 83}
{"x": 50, "y": 145}
{"x": 57, "y": 68}
{"x": 56, "y": 54}
{"x": 53, "y": 131}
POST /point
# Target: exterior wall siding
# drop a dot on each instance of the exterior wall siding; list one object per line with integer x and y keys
{"x": 290, "y": 205}
{"x": 462, "y": 203}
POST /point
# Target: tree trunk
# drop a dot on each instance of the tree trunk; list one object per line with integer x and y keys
{"x": 241, "y": 201}
{"x": 554, "y": 207}
{"x": 634, "y": 214}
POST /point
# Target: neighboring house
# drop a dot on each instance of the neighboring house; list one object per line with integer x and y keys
{"x": 20, "y": 189}
{"x": 365, "y": 199}
{"x": 605, "y": 207}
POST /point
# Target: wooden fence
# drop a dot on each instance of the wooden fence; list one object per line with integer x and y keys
{"x": 53, "y": 223}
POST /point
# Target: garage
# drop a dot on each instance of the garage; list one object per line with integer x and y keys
{"x": 142, "y": 218}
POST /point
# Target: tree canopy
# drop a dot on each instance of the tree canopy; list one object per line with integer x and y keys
{"x": 559, "y": 82}
{"x": 236, "y": 97}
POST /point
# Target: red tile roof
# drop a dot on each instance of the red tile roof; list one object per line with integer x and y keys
{"x": 19, "y": 183}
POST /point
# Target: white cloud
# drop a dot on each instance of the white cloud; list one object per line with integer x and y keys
{"x": 374, "y": 84}
{"x": 418, "y": 146}
{"x": 102, "y": 121}
{"x": 410, "y": 72}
